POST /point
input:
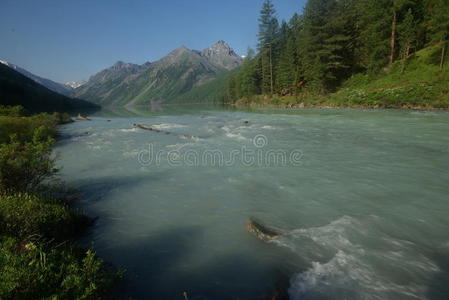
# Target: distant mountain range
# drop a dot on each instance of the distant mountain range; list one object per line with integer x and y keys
{"x": 18, "y": 89}
{"x": 165, "y": 80}
{"x": 183, "y": 75}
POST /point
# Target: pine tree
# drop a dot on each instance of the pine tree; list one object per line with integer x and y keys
{"x": 407, "y": 36}
{"x": 324, "y": 42}
{"x": 268, "y": 28}
{"x": 374, "y": 34}
{"x": 336, "y": 39}
{"x": 247, "y": 79}
{"x": 438, "y": 25}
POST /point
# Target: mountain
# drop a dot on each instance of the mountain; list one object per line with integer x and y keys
{"x": 165, "y": 80}
{"x": 74, "y": 84}
{"x": 213, "y": 92}
{"x": 49, "y": 84}
{"x": 222, "y": 55}
{"x": 18, "y": 89}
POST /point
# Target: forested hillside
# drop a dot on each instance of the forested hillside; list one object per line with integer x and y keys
{"x": 17, "y": 89}
{"x": 347, "y": 43}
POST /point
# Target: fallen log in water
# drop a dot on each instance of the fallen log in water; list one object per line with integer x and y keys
{"x": 81, "y": 118}
{"x": 185, "y": 136}
{"x": 262, "y": 231}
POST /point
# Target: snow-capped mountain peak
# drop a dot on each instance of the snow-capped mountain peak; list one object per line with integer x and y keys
{"x": 74, "y": 84}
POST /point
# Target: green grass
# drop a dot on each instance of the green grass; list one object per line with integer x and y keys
{"x": 211, "y": 92}
{"x": 31, "y": 271}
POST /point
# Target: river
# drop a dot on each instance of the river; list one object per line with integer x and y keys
{"x": 362, "y": 197}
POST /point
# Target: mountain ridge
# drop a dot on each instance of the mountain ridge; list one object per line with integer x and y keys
{"x": 48, "y": 83}
{"x": 18, "y": 89}
{"x": 163, "y": 80}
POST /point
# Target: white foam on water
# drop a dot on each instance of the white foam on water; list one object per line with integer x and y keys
{"x": 131, "y": 154}
{"x": 346, "y": 277}
{"x": 331, "y": 235}
{"x": 193, "y": 138}
{"x": 168, "y": 126}
{"x": 348, "y": 273}
{"x": 176, "y": 146}
{"x": 130, "y": 130}
{"x": 236, "y": 136}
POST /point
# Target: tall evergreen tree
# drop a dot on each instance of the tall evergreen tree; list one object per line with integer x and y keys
{"x": 407, "y": 36}
{"x": 268, "y": 28}
{"x": 324, "y": 42}
{"x": 438, "y": 24}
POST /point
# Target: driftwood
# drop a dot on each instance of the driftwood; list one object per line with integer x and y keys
{"x": 185, "y": 136}
{"x": 262, "y": 231}
{"x": 81, "y": 118}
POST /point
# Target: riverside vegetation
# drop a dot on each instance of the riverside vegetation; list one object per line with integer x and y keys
{"x": 351, "y": 53}
{"x": 37, "y": 224}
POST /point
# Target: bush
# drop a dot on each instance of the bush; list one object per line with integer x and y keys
{"x": 24, "y": 127}
{"x": 34, "y": 264}
{"x": 32, "y": 272}
{"x": 12, "y": 111}
{"x": 24, "y": 215}
{"x": 23, "y": 166}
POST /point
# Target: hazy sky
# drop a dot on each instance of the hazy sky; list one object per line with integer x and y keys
{"x": 71, "y": 40}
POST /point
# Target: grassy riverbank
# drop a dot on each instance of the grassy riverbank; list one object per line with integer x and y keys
{"x": 417, "y": 83}
{"x": 37, "y": 222}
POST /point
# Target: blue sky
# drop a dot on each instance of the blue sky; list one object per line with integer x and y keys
{"x": 71, "y": 40}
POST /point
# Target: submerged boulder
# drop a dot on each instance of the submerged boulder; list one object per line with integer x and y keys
{"x": 261, "y": 231}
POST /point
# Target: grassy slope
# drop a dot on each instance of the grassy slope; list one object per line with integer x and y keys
{"x": 421, "y": 85}
{"x": 211, "y": 92}
{"x": 17, "y": 89}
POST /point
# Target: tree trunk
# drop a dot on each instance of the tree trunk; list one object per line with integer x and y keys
{"x": 443, "y": 53}
{"x": 271, "y": 71}
{"x": 404, "y": 59}
{"x": 393, "y": 39}
{"x": 262, "y": 88}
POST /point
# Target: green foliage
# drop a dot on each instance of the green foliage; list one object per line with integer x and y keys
{"x": 30, "y": 271}
{"x": 24, "y": 215}
{"x": 211, "y": 92}
{"x": 24, "y": 127}
{"x": 25, "y": 165}
{"x": 437, "y": 16}
{"x": 12, "y": 111}
{"x": 334, "y": 43}
{"x": 268, "y": 25}
{"x": 35, "y": 260}
{"x": 421, "y": 85}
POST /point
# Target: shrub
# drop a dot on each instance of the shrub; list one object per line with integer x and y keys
{"x": 30, "y": 271}
{"x": 12, "y": 111}
{"x": 24, "y": 127}
{"x": 23, "y": 215}
{"x": 23, "y": 166}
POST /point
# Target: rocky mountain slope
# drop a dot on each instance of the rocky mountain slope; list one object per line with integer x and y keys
{"x": 163, "y": 81}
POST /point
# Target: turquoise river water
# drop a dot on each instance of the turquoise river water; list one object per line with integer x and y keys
{"x": 361, "y": 196}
